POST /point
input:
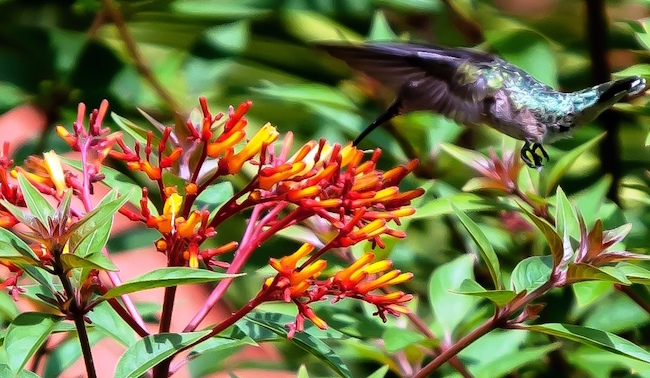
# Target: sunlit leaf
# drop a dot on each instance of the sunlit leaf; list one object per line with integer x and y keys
{"x": 151, "y": 350}
{"x": 485, "y": 248}
{"x": 93, "y": 261}
{"x": 531, "y": 273}
{"x": 36, "y": 203}
{"x": 165, "y": 277}
{"x": 451, "y": 308}
{"x": 473, "y": 288}
{"x": 25, "y": 335}
{"x": 396, "y": 339}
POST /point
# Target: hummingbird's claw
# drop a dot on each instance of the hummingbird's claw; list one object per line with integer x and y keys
{"x": 537, "y": 160}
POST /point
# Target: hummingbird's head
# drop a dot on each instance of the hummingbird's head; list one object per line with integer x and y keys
{"x": 608, "y": 94}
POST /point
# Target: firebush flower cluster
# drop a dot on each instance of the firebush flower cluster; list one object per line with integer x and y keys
{"x": 333, "y": 185}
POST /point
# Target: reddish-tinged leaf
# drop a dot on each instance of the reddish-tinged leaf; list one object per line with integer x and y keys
{"x": 483, "y": 183}
{"x": 554, "y": 240}
{"x": 616, "y": 256}
{"x": 611, "y": 237}
{"x": 584, "y": 272}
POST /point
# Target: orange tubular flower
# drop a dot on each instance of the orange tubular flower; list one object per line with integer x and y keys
{"x": 267, "y": 135}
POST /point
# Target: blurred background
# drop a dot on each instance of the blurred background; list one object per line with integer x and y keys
{"x": 160, "y": 56}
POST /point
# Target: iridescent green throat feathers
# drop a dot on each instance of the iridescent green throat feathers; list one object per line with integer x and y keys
{"x": 473, "y": 87}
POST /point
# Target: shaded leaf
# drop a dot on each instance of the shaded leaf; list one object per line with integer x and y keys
{"x": 65, "y": 354}
{"x": 108, "y": 322}
{"x": 593, "y": 337}
{"x": 165, "y": 277}
{"x": 463, "y": 201}
{"x": 634, "y": 273}
{"x": 15, "y": 245}
{"x": 5, "y": 371}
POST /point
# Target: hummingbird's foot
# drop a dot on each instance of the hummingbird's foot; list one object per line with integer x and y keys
{"x": 532, "y": 149}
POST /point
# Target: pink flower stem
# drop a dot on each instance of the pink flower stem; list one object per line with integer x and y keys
{"x": 241, "y": 256}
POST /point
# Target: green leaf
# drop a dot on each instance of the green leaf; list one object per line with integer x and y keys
{"x": 634, "y": 273}
{"x": 121, "y": 183}
{"x": 485, "y": 248}
{"x": 554, "y": 240}
{"x": 65, "y": 354}
{"x": 564, "y": 163}
{"x": 10, "y": 253}
{"x": 450, "y": 308}
{"x": 96, "y": 241}
{"x": 23, "y": 216}
{"x": 473, "y": 288}
{"x": 14, "y": 247}
{"x": 589, "y": 292}
{"x": 136, "y": 132}
{"x": 40, "y": 275}
{"x": 584, "y": 272}
{"x": 302, "y": 372}
{"x": 108, "y": 322}
{"x": 94, "y": 261}
{"x": 303, "y": 340}
{"x": 308, "y": 94}
{"x": 463, "y": 201}
{"x": 466, "y": 156}
{"x": 96, "y": 219}
{"x": 511, "y": 362}
{"x": 5, "y": 371}
{"x": 379, "y": 29}
{"x": 25, "y": 335}
{"x": 310, "y": 26}
{"x": 166, "y": 277}
{"x": 593, "y": 337}
{"x": 531, "y": 273}
{"x": 151, "y": 350}
{"x": 36, "y": 203}
{"x": 396, "y": 339}
{"x": 567, "y": 222}
{"x": 213, "y": 197}
{"x": 380, "y": 373}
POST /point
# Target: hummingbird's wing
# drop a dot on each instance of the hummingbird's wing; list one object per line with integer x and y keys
{"x": 448, "y": 81}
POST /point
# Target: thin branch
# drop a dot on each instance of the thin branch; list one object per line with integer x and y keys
{"x": 114, "y": 13}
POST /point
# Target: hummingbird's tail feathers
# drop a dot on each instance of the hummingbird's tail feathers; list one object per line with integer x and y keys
{"x": 391, "y": 112}
{"x": 616, "y": 90}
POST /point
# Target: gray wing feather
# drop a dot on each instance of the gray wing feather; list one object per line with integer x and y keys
{"x": 425, "y": 76}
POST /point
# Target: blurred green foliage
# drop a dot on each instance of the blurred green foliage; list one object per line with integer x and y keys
{"x": 55, "y": 54}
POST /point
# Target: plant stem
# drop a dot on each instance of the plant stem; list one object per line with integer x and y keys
{"x": 498, "y": 320}
{"x": 78, "y": 315}
{"x": 162, "y": 369}
{"x": 144, "y": 70}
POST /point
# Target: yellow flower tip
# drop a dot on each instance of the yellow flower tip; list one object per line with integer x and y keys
{"x": 55, "y": 170}
{"x": 276, "y": 264}
{"x": 386, "y": 193}
{"x": 318, "y": 322}
{"x": 400, "y": 279}
{"x": 268, "y": 282}
{"x": 164, "y": 225}
{"x": 267, "y": 135}
{"x": 310, "y": 271}
{"x": 298, "y": 289}
{"x": 14, "y": 172}
{"x": 186, "y": 229}
{"x": 399, "y": 309}
{"x": 64, "y": 134}
{"x": 365, "y": 287}
{"x": 379, "y": 266}
{"x": 152, "y": 172}
{"x": 173, "y": 204}
{"x": 309, "y": 192}
{"x": 194, "y": 261}
{"x": 345, "y": 274}
{"x": 373, "y": 228}
{"x": 222, "y": 144}
{"x": 291, "y": 260}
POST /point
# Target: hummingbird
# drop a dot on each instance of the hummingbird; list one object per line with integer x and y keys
{"x": 473, "y": 87}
